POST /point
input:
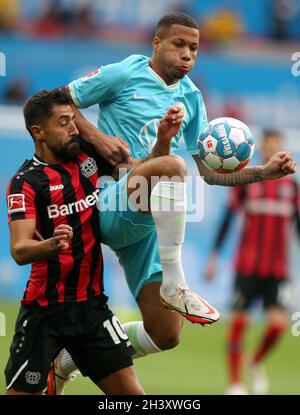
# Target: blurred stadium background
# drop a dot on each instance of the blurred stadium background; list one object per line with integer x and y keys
{"x": 244, "y": 70}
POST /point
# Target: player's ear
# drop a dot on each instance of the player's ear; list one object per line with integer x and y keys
{"x": 156, "y": 43}
{"x": 37, "y": 132}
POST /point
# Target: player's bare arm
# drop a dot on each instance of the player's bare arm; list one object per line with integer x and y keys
{"x": 280, "y": 165}
{"x": 169, "y": 126}
{"x": 113, "y": 149}
{"x": 25, "y": 249}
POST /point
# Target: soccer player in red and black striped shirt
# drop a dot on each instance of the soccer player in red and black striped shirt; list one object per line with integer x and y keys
{"x": 54, "y": 224}
{"x": 269, "y": 209}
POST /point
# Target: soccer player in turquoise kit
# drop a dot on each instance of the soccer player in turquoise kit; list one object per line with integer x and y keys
{"x": 132, "y": 96}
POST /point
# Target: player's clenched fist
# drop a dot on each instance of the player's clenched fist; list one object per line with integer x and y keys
{"x": 171, "y": 123}
{"x": 61, "y": 236}
{"x": 279, "y": 165}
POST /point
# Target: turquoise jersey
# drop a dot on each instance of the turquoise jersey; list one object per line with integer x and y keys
{"x": 132, "y": 98}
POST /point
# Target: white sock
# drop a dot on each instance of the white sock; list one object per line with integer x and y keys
{"x": 66, "y": 363}
{"x": 140, "y": 339}
{"x": 168, "y": 207}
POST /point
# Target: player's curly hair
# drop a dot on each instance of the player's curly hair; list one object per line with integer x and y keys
{"x": 174, "y": 18}
{"x": 38, "y": 108}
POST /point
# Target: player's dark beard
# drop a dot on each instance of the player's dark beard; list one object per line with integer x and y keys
{"x": 69, "y": 151}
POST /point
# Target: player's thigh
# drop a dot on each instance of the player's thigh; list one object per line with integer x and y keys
{"x": 103, "y": 349}
{"x": 32, "y": 351}
{"x": 122, "y": 382}
{"x": 245, "y": 291}
{"x": 276, "y": 294}
{"x": 163, "y": 325}
{"x": 143, "y": 178}
{"x": 121, "y": 224}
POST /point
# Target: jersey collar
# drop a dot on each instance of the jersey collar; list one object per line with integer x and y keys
{"x": 161, "y": 81}
{"x": 38, "y": 160}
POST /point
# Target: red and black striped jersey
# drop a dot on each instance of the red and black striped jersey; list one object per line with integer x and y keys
{"x": 269, "y": 209}
{"x": 62, "y": 194}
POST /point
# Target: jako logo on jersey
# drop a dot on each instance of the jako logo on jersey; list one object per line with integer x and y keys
{"x": 88, "y": 167}
{"x": 16, "y": 203}
{"x": 57, "y": 187}
{"x": 75, "y": 207}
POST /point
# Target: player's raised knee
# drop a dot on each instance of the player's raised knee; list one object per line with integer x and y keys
{"x": 174, "y": 166}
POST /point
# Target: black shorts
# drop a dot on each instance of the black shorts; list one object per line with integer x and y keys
{"x": 88, "y": 330}
{"x": 249, "y": 288}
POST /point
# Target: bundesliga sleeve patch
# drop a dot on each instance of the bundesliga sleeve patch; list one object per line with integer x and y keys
{"x": 16, "y": 203}
{"x": 90, "y": 75}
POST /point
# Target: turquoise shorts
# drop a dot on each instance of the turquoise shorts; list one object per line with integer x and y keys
{"x": 130, "y": 234}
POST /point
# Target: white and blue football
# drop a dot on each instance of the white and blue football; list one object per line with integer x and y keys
{"x": 226, "y": 145}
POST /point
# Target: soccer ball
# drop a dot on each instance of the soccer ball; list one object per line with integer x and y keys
{"x": 226, "y": 145}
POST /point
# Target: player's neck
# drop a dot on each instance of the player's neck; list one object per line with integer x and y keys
{"x": 46, "y": 155}
{"x": 157, "y": 69}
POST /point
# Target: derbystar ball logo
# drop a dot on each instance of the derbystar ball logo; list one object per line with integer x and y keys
{"x": 55, "y": 211}
{"x": 223, "y": 135}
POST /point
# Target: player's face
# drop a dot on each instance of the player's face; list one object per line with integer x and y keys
{"x": 61, "y": 134}
{"x": 270, "y": 146}
{"x": 176, "y": 52}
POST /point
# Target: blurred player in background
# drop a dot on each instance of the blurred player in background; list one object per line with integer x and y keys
{"x": 269, "y": 209}
{"x": 131, "y": 96}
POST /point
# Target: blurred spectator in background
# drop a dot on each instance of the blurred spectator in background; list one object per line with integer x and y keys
{"x": 222, "y": 26}
{"x": 233, "y": 108}
{"x": 15, "y": 93}
{"x": 84, "y": 24}
{"x": 59, "y": 19}
{"x": 9, "y": 15}
{"x": 51, "y": 23}
{"x": 284, "y": 12}
{"x": 269, "y": 209}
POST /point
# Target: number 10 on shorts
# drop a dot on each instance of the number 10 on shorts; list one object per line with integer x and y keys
{"x": 115, "y": 330}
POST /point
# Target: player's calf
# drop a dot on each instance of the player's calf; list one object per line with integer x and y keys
{"x": 123, "y": 382}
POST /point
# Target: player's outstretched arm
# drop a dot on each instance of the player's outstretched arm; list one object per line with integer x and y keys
{"x": 113, "y": 149}
{"x": 26, "y": 250}
{"x": 279, "y": 165}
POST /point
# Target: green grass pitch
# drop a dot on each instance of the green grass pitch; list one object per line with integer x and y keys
{"x": 197, "y": 366}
